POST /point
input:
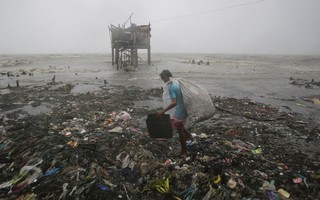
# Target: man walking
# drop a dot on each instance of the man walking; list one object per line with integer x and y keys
{"x": 174, "y": 105}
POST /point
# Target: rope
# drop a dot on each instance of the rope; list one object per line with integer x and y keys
{"x": 209, "y": 11}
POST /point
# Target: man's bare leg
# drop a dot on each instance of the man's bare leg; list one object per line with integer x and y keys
{"x": 187, "y": 134}
{"x": 183, "y": 142}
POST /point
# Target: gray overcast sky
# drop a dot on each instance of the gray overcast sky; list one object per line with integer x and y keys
{"x": 187, "y": 26}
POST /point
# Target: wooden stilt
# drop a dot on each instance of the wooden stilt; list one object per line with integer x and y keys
{"x": 149, "y": 56}
{"x": 112, "y": 54}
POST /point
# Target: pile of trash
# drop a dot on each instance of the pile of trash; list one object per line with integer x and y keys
{"x": 91, "y": 146}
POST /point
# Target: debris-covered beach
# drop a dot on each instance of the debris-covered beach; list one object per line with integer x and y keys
{"x": 63, "y": 135}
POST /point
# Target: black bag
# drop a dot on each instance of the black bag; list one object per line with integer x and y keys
{"x": 159, "y": 126}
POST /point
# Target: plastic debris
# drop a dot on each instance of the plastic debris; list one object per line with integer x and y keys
{"x": 124, "y": 115}
{"x": 209, "y": 193}
{"x": 232, "y": 183}
{"x": 217, "y": 180}
{"x": 169, "y": 162}
{"x": 272, "y": 195}
{"x": 103, "y": 187}
{"x": 86, "y": 150}
{"x": 74, "y": 144}
{"x": 116, "y": 130}
{"x": 64, "y": 191}
{"x": 283, "y": 193}
{"x": 32, "y": 173}
{"x": 268, "y": 186}
{"x": 203, "y": 135}
{"x": 257, "y": 151}
{"x": 53, "y": 171}
{"x": 297, "y": 180}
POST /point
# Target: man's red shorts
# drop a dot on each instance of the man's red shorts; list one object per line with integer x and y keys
{"x": 176, "y": 123}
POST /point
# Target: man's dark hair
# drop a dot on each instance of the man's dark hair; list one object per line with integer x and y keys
{"x": 165, "y": 73}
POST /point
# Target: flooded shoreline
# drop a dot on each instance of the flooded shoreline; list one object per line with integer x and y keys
{"x": 263, "y": 78}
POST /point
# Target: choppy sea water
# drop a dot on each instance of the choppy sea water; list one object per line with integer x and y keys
{"x": 263, "y": 78}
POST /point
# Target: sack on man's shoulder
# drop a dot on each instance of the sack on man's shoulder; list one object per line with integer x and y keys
{"x": 197, "y": 101}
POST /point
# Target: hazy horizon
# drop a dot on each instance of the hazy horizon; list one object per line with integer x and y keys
{"x": 145, "y": 54}
{"x": 254, "y": 27}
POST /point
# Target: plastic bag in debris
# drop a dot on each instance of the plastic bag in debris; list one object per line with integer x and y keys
{"x": 28, "y": 175}
{"x": 197, "y": 101}
{"x": 125, "y": 116}
{"x": 32, "y": 172}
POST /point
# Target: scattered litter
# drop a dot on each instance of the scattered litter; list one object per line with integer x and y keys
{"x": 92, "y": 146}
{"x": 283, "y": 193}
{"x": 116, "y": 130}
{"x": 232, "y": 183}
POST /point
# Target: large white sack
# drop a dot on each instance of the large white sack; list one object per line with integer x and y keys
{"x": 197, "y": 101}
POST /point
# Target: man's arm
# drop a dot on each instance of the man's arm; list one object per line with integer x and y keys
{"x": 172, "y": 105}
